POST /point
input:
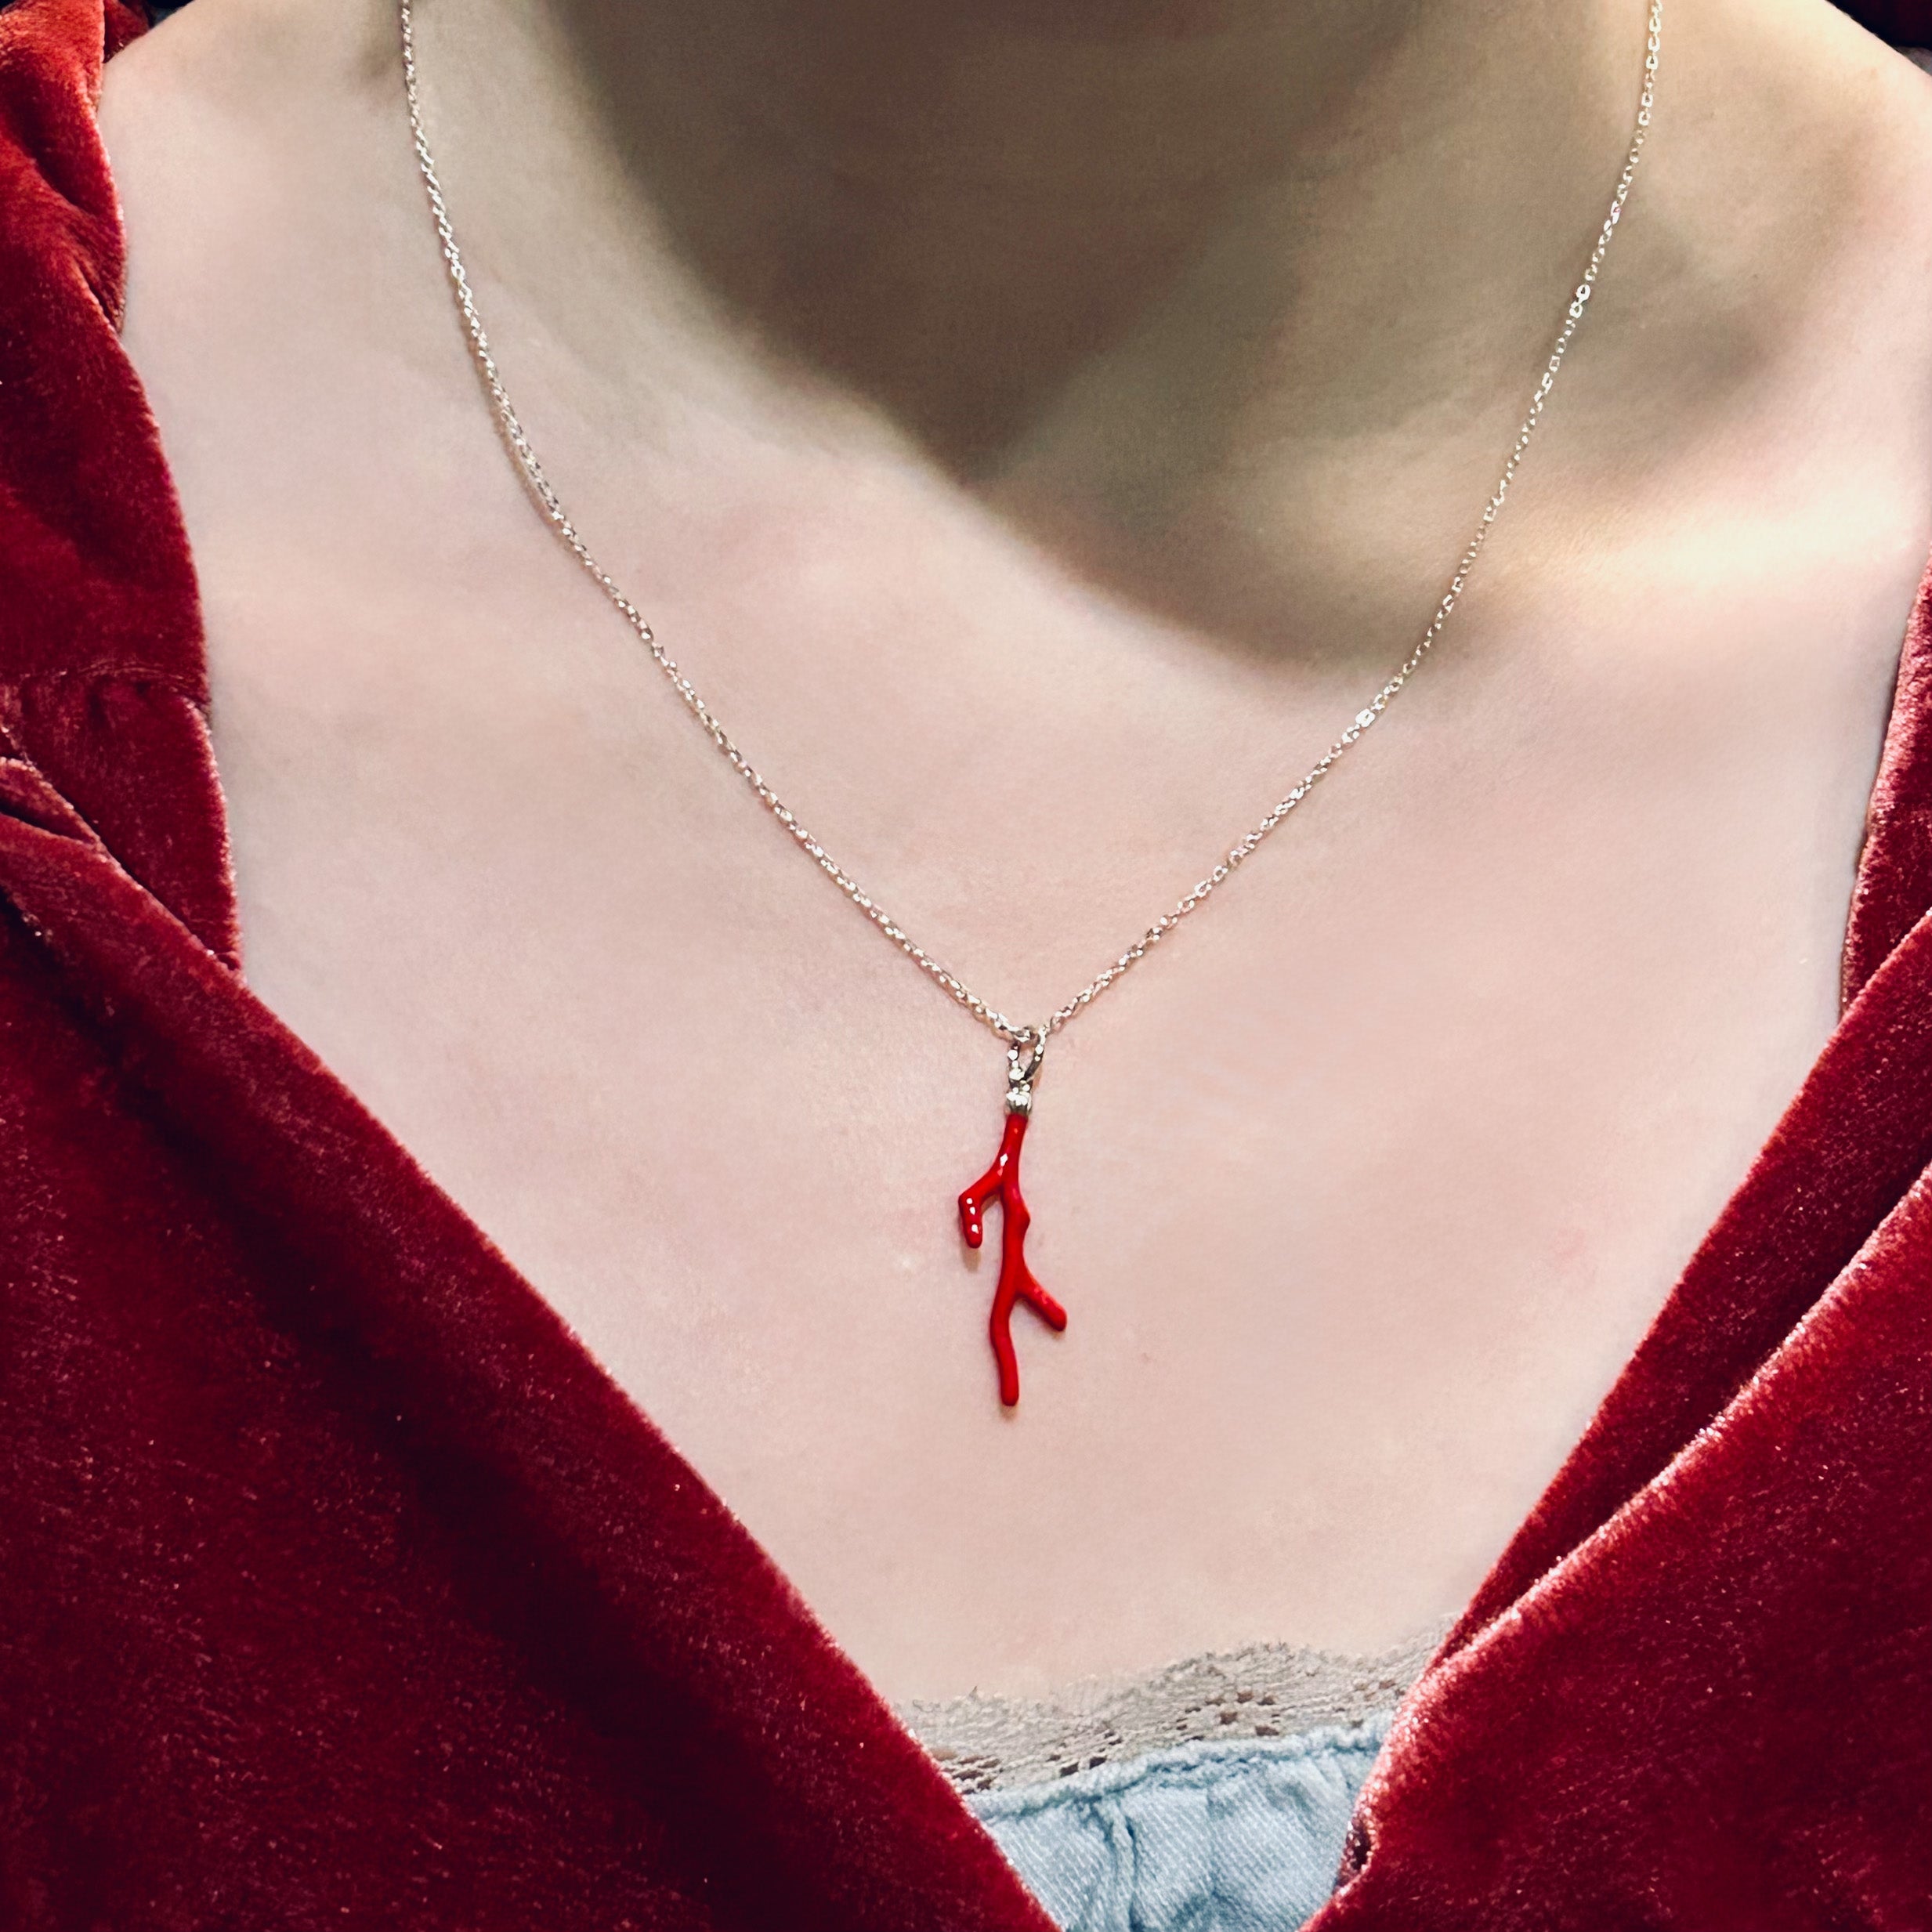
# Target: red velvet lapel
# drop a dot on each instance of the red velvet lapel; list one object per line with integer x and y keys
{"x": 1696, "y": 1691}
{"x": 342, "y": 1588}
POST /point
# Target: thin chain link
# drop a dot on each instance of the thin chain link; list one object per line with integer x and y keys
{"x": 553, "y": 507}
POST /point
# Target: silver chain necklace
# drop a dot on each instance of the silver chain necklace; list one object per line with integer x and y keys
{"x": 1026, "y": 1045}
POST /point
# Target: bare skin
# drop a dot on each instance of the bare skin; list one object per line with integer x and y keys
{"x": 1037, "y": 428}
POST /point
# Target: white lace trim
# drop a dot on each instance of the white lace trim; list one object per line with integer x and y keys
{"x": 1267, "y": 1691}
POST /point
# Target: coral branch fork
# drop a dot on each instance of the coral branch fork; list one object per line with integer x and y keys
{"x": 1001, "y": 1183}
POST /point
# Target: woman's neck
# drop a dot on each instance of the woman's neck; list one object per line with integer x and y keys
{"x": 993, "y": 216}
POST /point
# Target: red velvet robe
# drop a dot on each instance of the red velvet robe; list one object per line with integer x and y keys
{"x": 339, "y": 1588}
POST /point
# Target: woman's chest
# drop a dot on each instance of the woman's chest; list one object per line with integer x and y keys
{"x": 1357, "y": 1191}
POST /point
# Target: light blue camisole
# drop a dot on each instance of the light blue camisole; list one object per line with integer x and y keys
{"x": 1212, "y": 1795}
{"x": 1210, "y": 1837}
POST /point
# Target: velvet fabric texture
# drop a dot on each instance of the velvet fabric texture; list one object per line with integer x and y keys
{"x": 1904, "y": 23}
{"x": 338, "y": 1587}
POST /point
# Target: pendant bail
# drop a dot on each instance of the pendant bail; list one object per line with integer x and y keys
{"x": 1023, "y": 1058}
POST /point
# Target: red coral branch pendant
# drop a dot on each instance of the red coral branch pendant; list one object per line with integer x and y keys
{"x": 1001, "y": 1183}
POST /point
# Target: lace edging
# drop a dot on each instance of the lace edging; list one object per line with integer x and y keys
{"x": 1265, "y": 1691}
